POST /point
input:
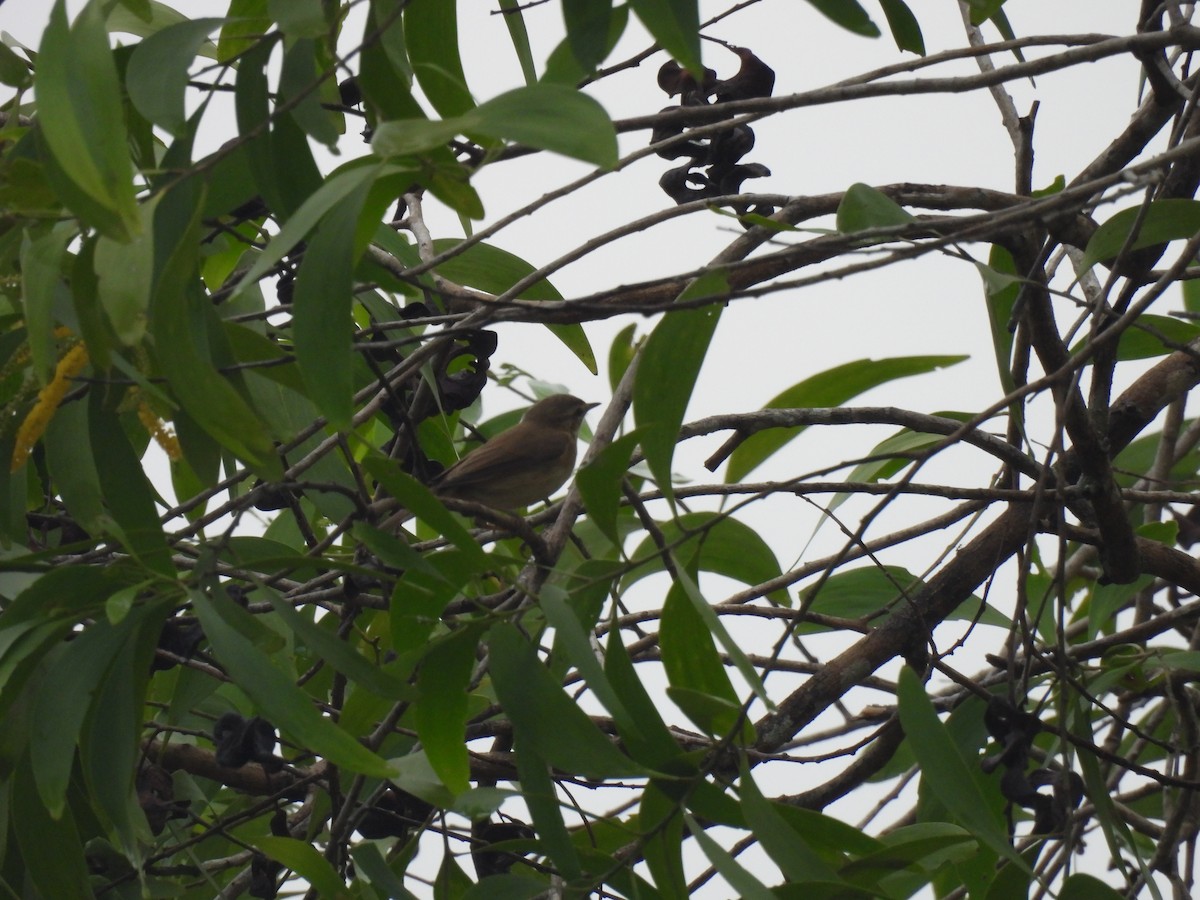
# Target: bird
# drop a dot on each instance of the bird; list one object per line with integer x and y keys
{"x": 524, "y": 464}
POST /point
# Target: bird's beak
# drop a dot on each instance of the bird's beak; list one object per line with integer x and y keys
{"x": 590, "y": 406}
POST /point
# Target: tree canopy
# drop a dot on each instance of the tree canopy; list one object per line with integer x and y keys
{"x": 258, "y": 289}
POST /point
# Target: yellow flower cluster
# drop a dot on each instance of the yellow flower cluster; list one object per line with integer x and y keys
{"x": 49, "y": 398}
{"x": 159, "y": 430}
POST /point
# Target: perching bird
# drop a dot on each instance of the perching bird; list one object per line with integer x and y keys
{"x": 524, "y": 464}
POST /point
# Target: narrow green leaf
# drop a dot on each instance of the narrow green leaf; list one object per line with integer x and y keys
{"x": 128, "y": 495}
{"x": 277, "y": 697}
{"x": 550, "y": 117}
{"x": 570, "y": 635}
{"x": 1081, "y": 886}
{"x": 830, "y": 388}
{"x": 716, "y": 627}
{"x": 336, "y": 188}
{"x": 947, "y": 775}
{"x": 299, "y": 73}
{"x": 338, "y": 653}
{"x": 735, "y": 874}
{"x": 73, "y": 467}
{"x": 670, "y": 363}
{"x": 80, "y": 115}
{"x": 489, "y": 268}
{"x": 1150, "y": 336}
{"x": 787, "y": 847}
{"x": 906, "y": 31}
{"x": 544, "y": 716}
{"x": 42, "y": 276}
{"x": 539, "y": 794}
{"x": 514, "y": 21}
{"x": 675, "y": 24}
{"x": 689, "y": 656}
{"x": 370, "y": 862}
{"x": 304, "y": 859}
{"x": 599, "y": 483}
{"x": 124, "y": 275}
{"x": 420, "y": 501}
{"x": 652, "y": 744}
{"x": 442, "y": 683}
{"x": 157, "y": 74}
{"x": 720, "y": 544}
{"x": 247, "y": 22}
{"x": 63, "y": 698}
{"x": 849, "y": 14}
{"x": 431, "y": 32}
{"x": 587, "y": 30}
{"x": 321, "y": 321}
{"x": 863, "y": 207}
{"x": 299, "y": 18}
{"x": 660, "y": 820}
{"x": 1165, "y": 220}
{"x": 868, "y": 590}
{"x": 51, "y": 849}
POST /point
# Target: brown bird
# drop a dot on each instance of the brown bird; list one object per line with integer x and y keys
{"x": 524, "y": 464}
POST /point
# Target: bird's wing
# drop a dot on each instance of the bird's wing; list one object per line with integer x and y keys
{"x": 508, "y": 452}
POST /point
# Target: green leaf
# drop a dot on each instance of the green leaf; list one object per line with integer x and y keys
{"x": 786, "y": 846}
{"x": 487, "y": 267}
{"x": 718, "y": 543}
{"x": 906, "y": 31}
{"x": 514, "y": 21}
{"x": 849, "y": 14}
{"x": 1150, "y": 336}
{"x": 538, "y": 792}
{"x": 1002, "y": 285}
{"x": 863, "y": 207}
{"x": 42, "y": 262}
{"x": 321, "y": 322}
{"x": 370, "y": 862}
{"x": 717, "y": 629}
{"x": 305, "y": 861}
{"x": 691, "y": 663}
{"x": 735, "y": 874}
{"x": 441, "y": 713}
{"x": 945, "y": 773}
{"x": 73, "y": 467}
{"x": 830, "y": 388}
{"x": 51, "y": 848}
{"x": 64, "y": 695}
{"x": 599, "y": 483}
{"x": 124, "y": 275}
{"x": 277, "y": 697}
{"x": 868, "y": 590}
{"x": 1081, "y": 886}
{"x": 128, "y": 494}
{"x": 299, "y": 18}
{"x": 338, "y": 653}
{"x": 81, "y": 119}
{"x": 674, "y": 24}
{"x": 550, "y": 117}
{"x": 340, "y": 185}
{"x": 157, "y": 74}
{"x": 299, "y": 73}
{"x": 544, "y": 716}
{"x": 587, "y": 24}
{"x": 246, "y": 23}
{"x": 546, "y": 116}
{"x": 431, "y": 32}
{"x": 421, "y": 502}
{"x": 1164, "y": 220}
{"x": 652, "y": 744}
{"x": 666, "y": 376}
